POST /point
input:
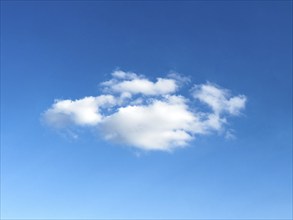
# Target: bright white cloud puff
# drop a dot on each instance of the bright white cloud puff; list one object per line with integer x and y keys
{"x": 149, "y": 115}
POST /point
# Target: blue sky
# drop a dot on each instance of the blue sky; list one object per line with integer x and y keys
{"x": 64, "y": 50}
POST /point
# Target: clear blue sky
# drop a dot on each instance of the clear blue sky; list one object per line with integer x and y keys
{"x": 52, "y": 49}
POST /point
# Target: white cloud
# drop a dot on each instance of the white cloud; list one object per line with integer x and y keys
{"x": 219, "y": 99}
{"x": 148, "y": 115}
{"x": 160, "y": 125}
{"x": 131, "y": 83}
{"x": 84, "y": 111}
{"x": 124, "y": 75}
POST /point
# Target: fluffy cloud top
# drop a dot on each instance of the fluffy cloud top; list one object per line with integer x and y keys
{"x": 220, "y": 100}
{"x": 149, "y": 115}
{"x": 131, "y": 83}
{"x": 84, "y": 111}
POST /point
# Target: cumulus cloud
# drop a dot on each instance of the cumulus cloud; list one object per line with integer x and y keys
{"x": 220, "y": 100}
{"x": 146, "y": 114}
{"x": 131, "y": 83}
{"x": 158, "y": 125}
{"x": 85, "y": 111}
